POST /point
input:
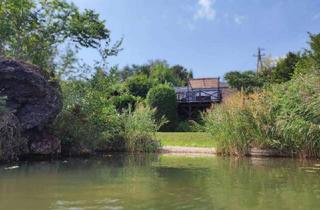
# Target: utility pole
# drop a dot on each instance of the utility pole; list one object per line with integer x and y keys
{"x": 259, "y": 59}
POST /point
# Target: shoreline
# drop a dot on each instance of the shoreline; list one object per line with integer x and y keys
{"x": 253, "y": 152}
{"x": 168, "y": 150}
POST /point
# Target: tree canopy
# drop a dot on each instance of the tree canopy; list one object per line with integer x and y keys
{"x": 246, "y": 81}
{"x": 33, "y": 30}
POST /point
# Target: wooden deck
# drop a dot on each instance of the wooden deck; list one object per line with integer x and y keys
{"x": 199, "y": 95}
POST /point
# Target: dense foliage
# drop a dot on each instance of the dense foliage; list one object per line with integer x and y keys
{"x": 100, "y": 109}
{"x": 157, "y": 72}
{"x": 285, "y": 67}
{"x": 282, "y": 116}
{"x": 163, "y": 98}
{"x": 138, "y": 85}
{"x": 91, "y": 118}
{"x": 247, "y": 81}
{"x": 34, "y": 30}
{"x": 124, "y": 101}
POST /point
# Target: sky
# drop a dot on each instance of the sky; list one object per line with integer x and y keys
{"x": 210, "y": 37}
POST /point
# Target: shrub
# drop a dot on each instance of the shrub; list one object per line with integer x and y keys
{"x": 138, "y": 85}
{"x": 185, "y": 126}
{"x": 139, "y": 130}
{"x": 88, "y": 119}
{"x": 163, "y": 98}
{"x": 124, "y": 101}
{"x": 247, "y": 81}
{"x": 161, "y": 74}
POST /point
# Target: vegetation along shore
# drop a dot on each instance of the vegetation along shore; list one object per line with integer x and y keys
{"x": 52, "y": 103}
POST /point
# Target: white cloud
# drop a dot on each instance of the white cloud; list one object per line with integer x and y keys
{"x": 238, "y": 19}
{"x": 205, "y": 10}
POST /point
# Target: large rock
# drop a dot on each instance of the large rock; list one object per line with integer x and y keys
{"x": 33, "y": 99}
{"x": 12, "y": 144}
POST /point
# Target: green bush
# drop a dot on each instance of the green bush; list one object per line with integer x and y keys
{"x": 185, "y": 126}
{"x": 161, "y": 74}
{"x": 139, "y": 130}
{"x": 124, "y": 101}
{"x": 163, "y": 98}
{"x": 88, "y": 120}
{"x": 138, "y": 85}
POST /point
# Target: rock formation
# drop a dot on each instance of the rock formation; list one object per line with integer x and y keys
{"x": 33, "y": 102}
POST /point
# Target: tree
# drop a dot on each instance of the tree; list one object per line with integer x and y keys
{"x": 138, "y": 85}
{"x": 159, "y": 71}
{"x": 309, "y": 61}
{"x": 161, "y": 74}
{"x": 163, "y": 98}
{"x": 315, "y": 48}
{"x": 124, "y": 101}
{"x": 182, "y": 73}
{"x": 33, "y": 31}
{"x": 247, "y": 80}
{"x": 285, "y": 67}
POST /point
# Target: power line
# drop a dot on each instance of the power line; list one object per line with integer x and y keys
{"x": 259, "y": 56}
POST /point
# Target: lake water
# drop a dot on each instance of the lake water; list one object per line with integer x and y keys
{"x": 162, "y": 182}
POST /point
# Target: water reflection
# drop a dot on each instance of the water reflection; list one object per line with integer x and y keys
{"x": 161, "y": 182}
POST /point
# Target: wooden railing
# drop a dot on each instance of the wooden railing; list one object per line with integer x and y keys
{"x": 199, "y": 95}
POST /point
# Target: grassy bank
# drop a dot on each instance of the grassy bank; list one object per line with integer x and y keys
{"x": 284, "y": 117}
{"x": 186, "y": 139}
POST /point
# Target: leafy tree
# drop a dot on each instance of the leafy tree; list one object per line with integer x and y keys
{"x": 247, "y": 80}
{"x": 161, "y": 74}
{"x": 134, "y": 69}
{"x": 33, "y": 31}
{"x": 159, "y": 71}
{"x": 182, "y": 73}
{"x": 123, "y": 102}
{"x": 138, "y": 85}
{"x": 284, "y": 68}
{"x": 163, "y": 98}
{"x": 315, "y": 48}
{"x": 309, "y": 61}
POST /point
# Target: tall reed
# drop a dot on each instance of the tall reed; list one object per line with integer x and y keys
{"x": 284, "y": 117}
{"x": 139, "y": 130}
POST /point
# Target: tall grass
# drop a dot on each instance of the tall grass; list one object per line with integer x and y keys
{"x": 297, "y": 120}
{"x": 231, "y": 124}
{"x": 140, "y": 127}
{"x": 284, "y": 117}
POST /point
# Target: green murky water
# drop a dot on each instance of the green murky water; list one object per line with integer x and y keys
{"x": 162, "y": 182}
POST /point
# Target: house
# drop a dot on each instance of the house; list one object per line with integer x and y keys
{"x": 199, "y": 95}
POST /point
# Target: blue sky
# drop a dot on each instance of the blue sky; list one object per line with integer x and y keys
{"x": 211, "y": 37}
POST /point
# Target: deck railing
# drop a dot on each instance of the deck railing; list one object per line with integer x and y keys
{"x": 199, "y": 95}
